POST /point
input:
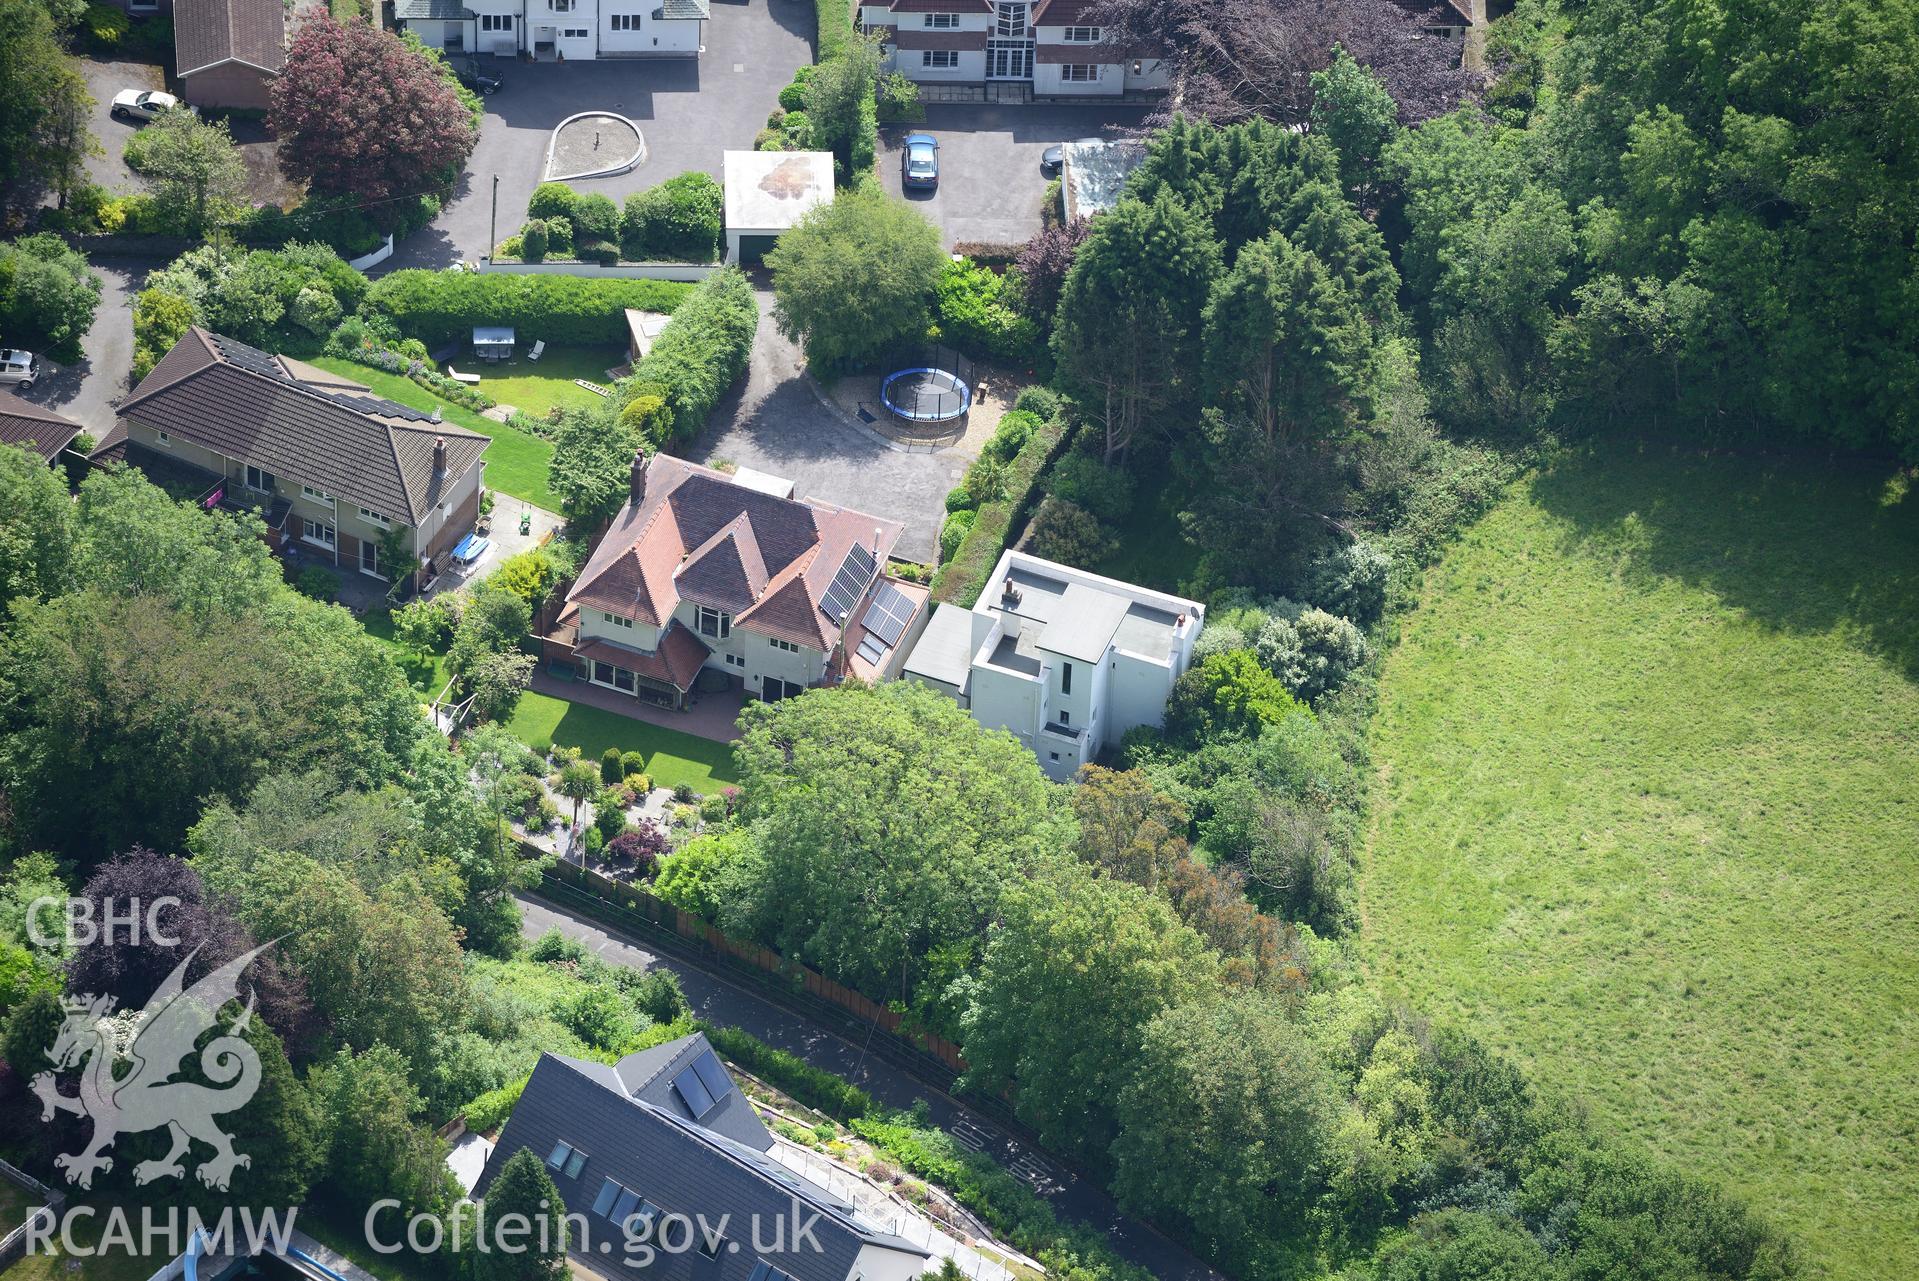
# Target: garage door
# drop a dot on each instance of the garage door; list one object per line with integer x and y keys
{"x": 754, "y": 248}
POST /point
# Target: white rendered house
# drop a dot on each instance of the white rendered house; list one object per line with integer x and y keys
{"x": 576, "y": 30}
{"x": 1050, "y": 47}
{"x": 1066, "y": 660}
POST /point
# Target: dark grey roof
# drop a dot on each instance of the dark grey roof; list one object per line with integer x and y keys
{"x": 431, "y": 10}
{"x": 303, "y": 423}
{"x": 1083, "y": 626}
{"x": 683, "y": 1169}
{"x": 649, "y": 1074}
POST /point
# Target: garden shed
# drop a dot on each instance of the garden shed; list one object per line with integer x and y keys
{"x": 768, "y": 192}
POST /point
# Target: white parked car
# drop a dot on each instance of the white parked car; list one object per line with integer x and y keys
{"x": 18, "y": 368}
{"x": 142, "y": 104}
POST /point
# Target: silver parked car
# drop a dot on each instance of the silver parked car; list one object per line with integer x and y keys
{"x": 18, "y": 368}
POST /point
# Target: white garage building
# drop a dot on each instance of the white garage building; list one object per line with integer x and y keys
{"x": 768, "y": 192}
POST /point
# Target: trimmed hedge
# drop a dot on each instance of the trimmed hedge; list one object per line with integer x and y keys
{"x": 702, "y": 351}
{"x": 791, "y": 1075}
{"x": 835, "y": 18}
{"x": 961, "y": 579}
{"x": 441, "y": 306}
{"x": 678, "y": 221}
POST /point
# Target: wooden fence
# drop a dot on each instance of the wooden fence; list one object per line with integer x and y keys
{"x": 638, "y": 902}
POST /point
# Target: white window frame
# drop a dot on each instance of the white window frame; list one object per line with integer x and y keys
{"x": 162, "y": 438}
{"x": 624, "y": 21}
{"x": 262, "y": 480}
{"x": 311, "y": 494}
{"x": 1079, "y": 73}
{"x": 1013, "y": 20}
{"x": 328, "y": 537}
{"x": 940, "y": 21}
{"x": 939, "y": 59}
{"x": 615, "y": 620}
{"x": 708, "y": 621}
{"x": 786, "y": 645}
{"x": 372, "y": 517}
{"x": 735, "y": 660}
{"x": 575, "y": 33}
{"x": 1081, "y": 35}
{"x": 560, "y": 6}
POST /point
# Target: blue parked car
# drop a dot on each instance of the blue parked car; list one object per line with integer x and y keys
{"x": 920, "y": 162}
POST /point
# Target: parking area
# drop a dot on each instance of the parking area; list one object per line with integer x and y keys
{"x": 87, "y": 392}
{"x": 990, "y": 184}
{"x": 775, "y": 422}
{"x": 106, "y": 77}
{"x": 688, "y": 110}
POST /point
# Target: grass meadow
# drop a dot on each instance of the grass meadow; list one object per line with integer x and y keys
{"x": 1647, "y": 818}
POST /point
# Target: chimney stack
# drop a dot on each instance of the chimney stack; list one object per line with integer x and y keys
{"x": 636, "y": 479}
{"x": 439, "y": 455}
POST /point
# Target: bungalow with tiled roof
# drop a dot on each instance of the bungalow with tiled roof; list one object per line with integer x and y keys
{"x": 229, "y": 52}
{"x": 702, "y": 571}
{"x": 332, "y": 468}
{"x": 26, "y": 425}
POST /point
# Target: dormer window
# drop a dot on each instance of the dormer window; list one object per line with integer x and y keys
{"x": 711, "y": 622}
{"x": 614, "y": 620}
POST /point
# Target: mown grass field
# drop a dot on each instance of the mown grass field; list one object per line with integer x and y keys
{"x": 1648, "y": 819}
{"x": 539, "y": 387}
{"x": 515, "y": 462}
{"x": 672, "y": 756}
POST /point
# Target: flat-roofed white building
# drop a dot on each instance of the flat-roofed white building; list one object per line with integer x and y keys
{"x": 1066, "y": 660}
{"x": 768, "y": 192}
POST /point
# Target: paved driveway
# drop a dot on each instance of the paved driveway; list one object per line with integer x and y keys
{"x": 777, "y": 423}
{"x": 86, "y": 392}
{"x": 106, "y": 77}
{"x": 688, "y": 110}
{"x": 990, "y": 182}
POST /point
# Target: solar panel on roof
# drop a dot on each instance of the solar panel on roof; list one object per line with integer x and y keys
{"x": 712, "y": 1075}
{"x": 849, "y": 583}
{"x": 889, "y": 613}
{"x": 871, "y": 650}
{"x": 699, "y": 1100}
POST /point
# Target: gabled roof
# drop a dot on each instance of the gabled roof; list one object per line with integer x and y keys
{"x": 207, "y": 33}
{"x": 679, "y": 1165}
{"x": 697, "y": 535}
{"x": 299, "y": 422}
{"x": 41, "y": 430}
{"x": 649, "y": 1075}
{"x": 677, "y": 659}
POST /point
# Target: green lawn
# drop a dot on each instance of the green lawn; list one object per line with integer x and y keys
{"x": 1647, "y": 818}
{"x": 515, "y": 462}
{"x": 548, "y": 385}
{"x": 672, "y": 757}
{"x": 428, "y": 677}
{"x": 113, "y": 1260}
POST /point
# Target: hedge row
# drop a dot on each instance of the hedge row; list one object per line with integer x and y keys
{"x": 442, "y": 306}
{"x": 961, "y": 579}
{"x": 835, "y": 19}
{"x": 791, "y": 1075}
{"x": 702, "y": 351}
{"x": 1015, "y": 1213}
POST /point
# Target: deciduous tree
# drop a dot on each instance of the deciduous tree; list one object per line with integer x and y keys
{"x": 192, "y": 167}
{"x": 856, "y": 277}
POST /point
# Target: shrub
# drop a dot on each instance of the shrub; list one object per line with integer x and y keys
{"x": 643, "y": 845}
{"x": 1350, "y": 580}
{"x": 632, "y": 764}
{"x": 959, "y": 581}
{"x": 315, "y": 310}
{"x": 555, "y": 946}
{"x": 791, "y": 1075}
{"x": 612, "y": 770}
{"x": 512, "y": 247}
{"x": 684, "y": 793}
{"x": 105, "y": 26}
{"x": 703, "y": 350}
{"x": 658, "y": 995}
{"x": 440, "y": 306}
{"x": 317, "y": 583}
{"x": 1014, "y": 430}
{"x": 533, "y": 241}
{"x": 490, "y": 1110}
{"x": 559, "y": 237}
{"x": 1085, "y": 481}
{"x": 985, "y": 480}
{"x": 1069, "y": 534}
{"x": 953, "y": 532}
{"x": 678, "y": 221}
{"x": 160, "y": 319}
{"x": 648, "y": 415}
{"x": 603, "y": 252}
{"x": 1042, "y": 402}
{"x": 793, "y": 97}
{"x": 609, "y": 812}
{"x": 833, "y": 19}
{"x": 958, "y": 500}
{"x": 552, "y": 200}
{"x": 596, "y": 217}
{"x": 595, "y": 841}
{"x": 973, "y": 314}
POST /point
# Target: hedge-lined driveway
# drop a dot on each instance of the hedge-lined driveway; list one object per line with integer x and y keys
{"x": 689, "y": 111}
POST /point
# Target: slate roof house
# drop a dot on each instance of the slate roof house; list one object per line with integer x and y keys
{"x": 29, "y": 426}
{"x": 665, "y": 1136}
{"x": 330, "y": 466}
{"x": 229, "y": 52}
{"x": 734, "y": 575}
{"x": 1066, "y": 660}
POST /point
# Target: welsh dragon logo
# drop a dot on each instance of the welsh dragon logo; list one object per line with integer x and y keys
{"x": 147, "y": 1097}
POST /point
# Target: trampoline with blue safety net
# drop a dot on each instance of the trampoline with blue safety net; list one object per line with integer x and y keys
{"x": 936, "y": 388}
